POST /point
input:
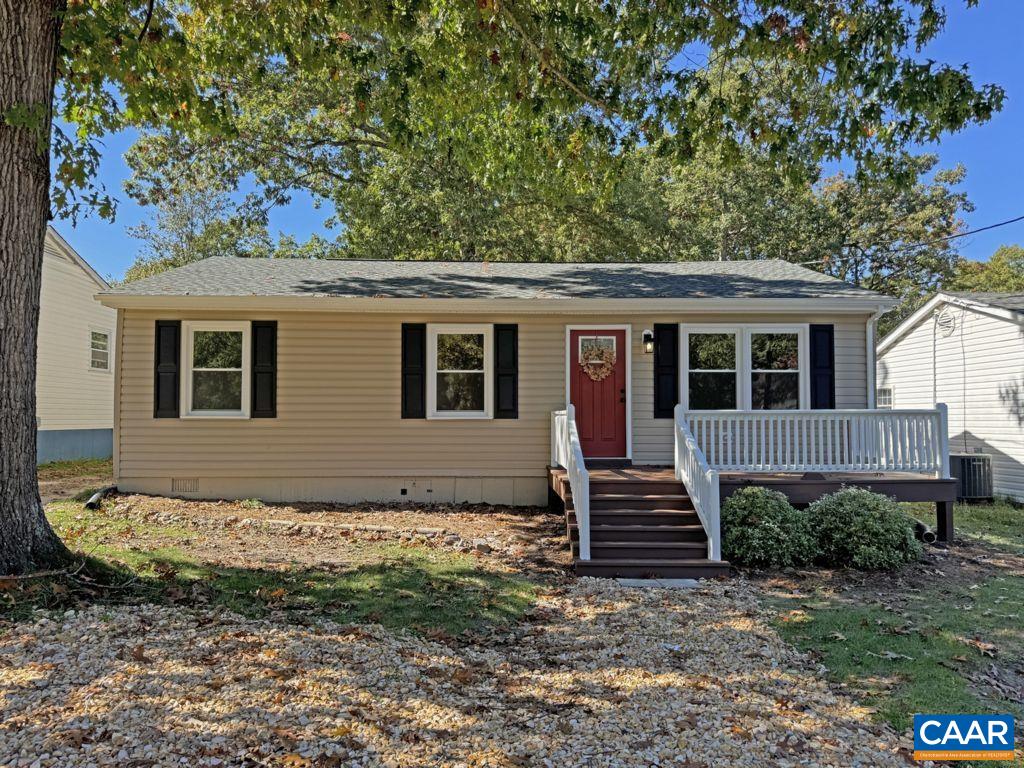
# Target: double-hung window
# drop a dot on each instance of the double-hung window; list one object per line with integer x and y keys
{"x": 459, "y": 371}
{"x": 750, "y": 367}
{"x": 774, "y": 370}
{"x": 884, "y": 398}
{"x": 99, "y": 350}
{"x": 713, "y": 370}
{"x": 216, "y": 358}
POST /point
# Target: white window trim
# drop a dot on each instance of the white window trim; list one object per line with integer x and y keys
{"x": 435, "y": 329}
{"x": 189, "y": 328}
{"x": 743, "y": 332}
{"x": 110, "y": 349}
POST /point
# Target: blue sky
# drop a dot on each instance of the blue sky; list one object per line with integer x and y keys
{"x": 987, "y": 38}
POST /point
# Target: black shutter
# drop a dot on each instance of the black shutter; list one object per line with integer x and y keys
{"x": 506, "y": 371}
{"x": 414, "y": 371}
{"x": 666, "y": 369}
{"x": 823, "y": 366}
{"x": 264, "y": 369}
{"x": 167, "y": 369}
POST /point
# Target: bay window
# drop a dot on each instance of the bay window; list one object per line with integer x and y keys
{"x": 749, "y": 367}
{"x": 216, "y": 358}
{"x": 459, "y": 370}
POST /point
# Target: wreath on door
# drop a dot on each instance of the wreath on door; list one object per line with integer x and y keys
{"x": 598, "y": 362}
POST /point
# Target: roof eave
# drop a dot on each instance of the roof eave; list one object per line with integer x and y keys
{"x": 64, "y": 246}
{"x": 840, "y": 304}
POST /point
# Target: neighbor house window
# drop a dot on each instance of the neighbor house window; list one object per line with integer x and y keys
{"x": 216, "y": 369}
{"x": 883, "y": 398}
{"x": 459, "y": 371}
{"x": 99, "y": 350}
{"x": 750, "y": 367}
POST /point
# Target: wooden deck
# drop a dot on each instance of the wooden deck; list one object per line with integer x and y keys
{"x": 803, "y": 488}
{"x": 643, "y": 522}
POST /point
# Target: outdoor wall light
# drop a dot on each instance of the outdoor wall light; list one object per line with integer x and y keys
{"x": 648, "y": 339}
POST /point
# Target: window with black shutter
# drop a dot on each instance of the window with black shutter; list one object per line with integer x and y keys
{"x": 414, "y": 370}
{"x": 506, "y": 371}
{"x": 666, "y": 369}
{"x": 264, "y": 369}
{"x": 167, "y": 369}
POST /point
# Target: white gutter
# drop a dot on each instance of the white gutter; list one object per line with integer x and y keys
{"x": 320, "y": 303}
{"x": 869, "y": 337}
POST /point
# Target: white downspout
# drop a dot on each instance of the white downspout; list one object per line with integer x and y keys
{"x": 872, "y": 355}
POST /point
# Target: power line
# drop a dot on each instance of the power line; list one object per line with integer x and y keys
{"x": 931, "y": 242}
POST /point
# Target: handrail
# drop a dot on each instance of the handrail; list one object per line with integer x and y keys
{"x": 855, "y": 440}
{"x": 701, "y": 482}
{"x": 567, "y": 452}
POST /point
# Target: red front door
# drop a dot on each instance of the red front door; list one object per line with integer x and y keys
{"x": 597, "y": 387}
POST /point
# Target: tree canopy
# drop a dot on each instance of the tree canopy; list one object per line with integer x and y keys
{"x": 819, "y": 81}
{"x": 1002, "y": 273}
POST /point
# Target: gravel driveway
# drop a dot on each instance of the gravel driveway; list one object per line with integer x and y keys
{"x": 600, "y": 675}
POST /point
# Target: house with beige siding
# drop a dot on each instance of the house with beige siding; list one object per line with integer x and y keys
{"x": 635, "y": 394}
{"x": 75, "y": 358}
{"x": 966, "y": 350}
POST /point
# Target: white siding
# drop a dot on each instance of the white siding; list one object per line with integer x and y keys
{"x": 978, "y": 371}
{"x": 69, "y": 393}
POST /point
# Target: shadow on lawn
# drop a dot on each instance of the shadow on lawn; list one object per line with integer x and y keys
{"x": 443, "y": 595}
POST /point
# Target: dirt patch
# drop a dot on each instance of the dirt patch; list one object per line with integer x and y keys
{"x": 239, "y": 534}
{"x": 969, "y": 562}
{"x": 69, "y": 487}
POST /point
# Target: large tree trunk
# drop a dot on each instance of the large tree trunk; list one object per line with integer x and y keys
{"x": 29, "y": 38}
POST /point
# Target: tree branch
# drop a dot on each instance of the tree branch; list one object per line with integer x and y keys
{"x": 147, "y": 20}
{"x": 559, "y": 75}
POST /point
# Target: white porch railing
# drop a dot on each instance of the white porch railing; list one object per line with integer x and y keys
{"x": 701, "y": 482}
{"x": 824, "y": 441}
{"x": 566, "y": 452}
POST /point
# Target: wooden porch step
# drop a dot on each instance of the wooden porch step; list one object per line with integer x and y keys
{"x": 638, "y": 517}
{"x": 645, "y": 550}
{"x": 638, "y": 568}
{"x": 676, "y": 501}
{"x": 632, "y": 485}
{"x": 689, "y": 532}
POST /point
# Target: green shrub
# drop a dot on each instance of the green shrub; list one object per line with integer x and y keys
{"x": 861, "y": 529}
{"x": 761, "y": 528}
{"x": 252, "y": 504}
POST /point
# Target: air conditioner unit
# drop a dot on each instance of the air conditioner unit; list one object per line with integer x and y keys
{"x": 973, "y": 473}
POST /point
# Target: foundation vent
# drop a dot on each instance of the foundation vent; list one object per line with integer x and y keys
{"x": 184, "y": 485}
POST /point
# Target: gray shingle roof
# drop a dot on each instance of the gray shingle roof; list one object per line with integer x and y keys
{"x": 1011, "y": 301}
{"x": 227, "y": 276}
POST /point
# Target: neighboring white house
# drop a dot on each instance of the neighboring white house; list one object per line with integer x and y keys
{"x": 75, "y": 368}
{"x": 965, "y": 350}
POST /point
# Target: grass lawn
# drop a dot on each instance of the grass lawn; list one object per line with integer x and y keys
{"x": 946, "y": 636}
{"x": 63, "y": 470}
{"x": 421, "y": 588}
